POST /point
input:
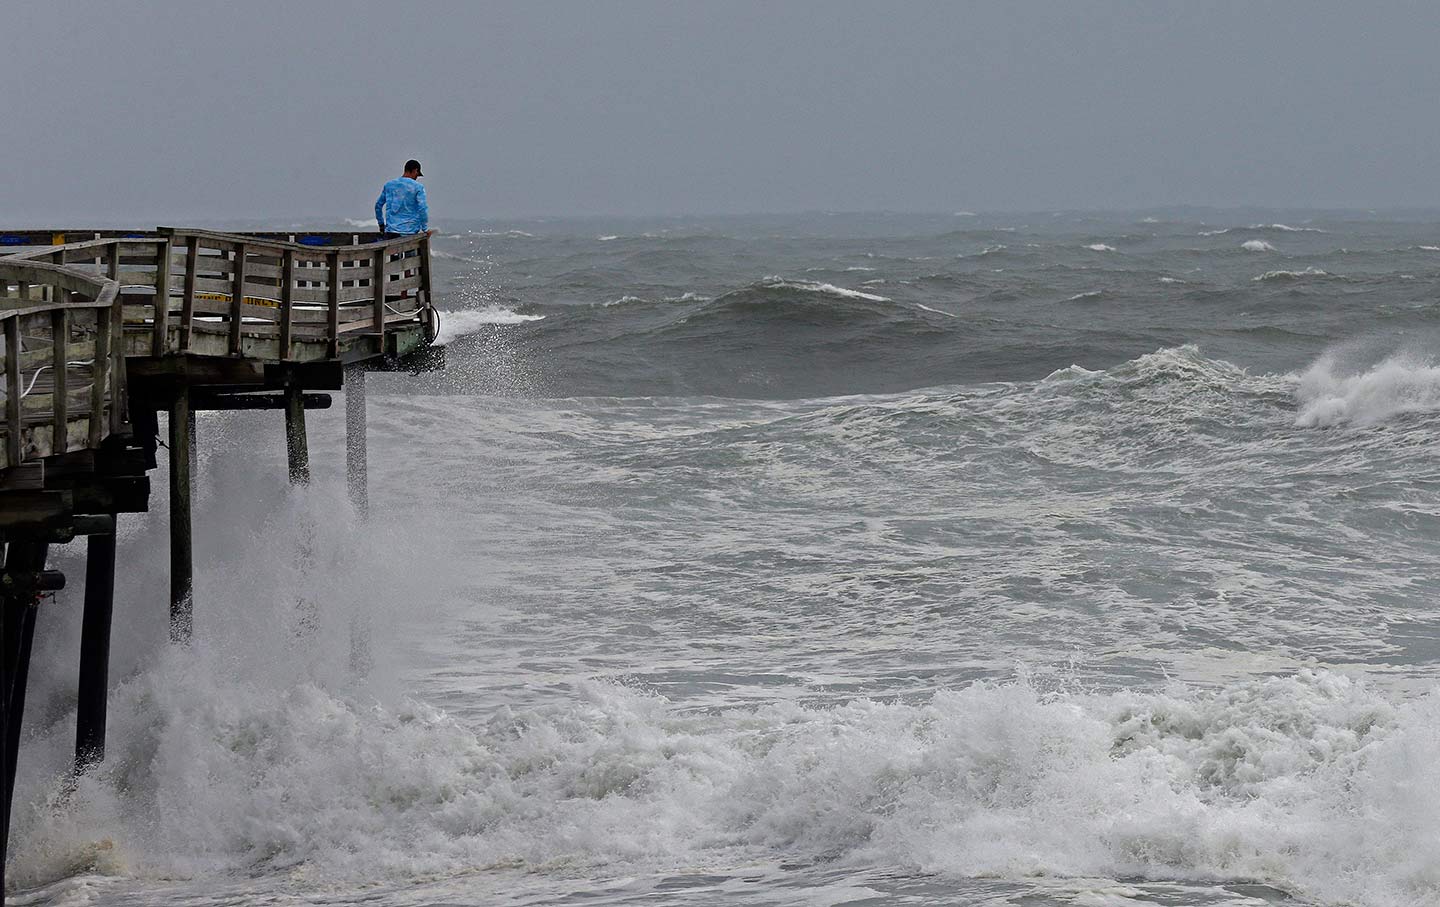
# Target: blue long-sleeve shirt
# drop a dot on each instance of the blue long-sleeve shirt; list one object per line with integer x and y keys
{"x": 402, "y": 208}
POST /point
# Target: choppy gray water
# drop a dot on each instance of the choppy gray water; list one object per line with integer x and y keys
{"x": 831, "y": 560}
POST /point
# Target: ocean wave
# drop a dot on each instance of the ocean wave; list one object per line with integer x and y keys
{"x": 822, "y": 289}
{"x": 1293, "y": 275}
{"x": 1093, "y": 294}
{"x": 1308, "y": 782}
{"x": 463, "y": 322}
{"x": 1400, "y": 384}
{"x": 1257, "y": 245}
{"x": 1100, "y": 247}
{"x": 607, "y": 237}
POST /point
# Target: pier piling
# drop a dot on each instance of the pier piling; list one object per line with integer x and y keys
{"x": 91, "y": 705}
{"x": 297, "y": 448}
{"x": 182, "y": 565}
{"x": 24, "y": 565}
{"x": 101, "y": 330}
{"x": 357, "y": 478}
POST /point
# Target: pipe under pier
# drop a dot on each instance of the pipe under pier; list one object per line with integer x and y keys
{"x": 106, "y": 330}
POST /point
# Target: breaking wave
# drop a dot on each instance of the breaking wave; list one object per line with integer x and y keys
{"x": 1400, "y": 384}
{"x": 460, "y": 323}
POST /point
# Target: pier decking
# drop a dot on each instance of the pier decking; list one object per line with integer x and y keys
{"x": 103, "y": 331}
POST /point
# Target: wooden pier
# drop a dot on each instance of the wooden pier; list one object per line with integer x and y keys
{"x": 103, "y": 331}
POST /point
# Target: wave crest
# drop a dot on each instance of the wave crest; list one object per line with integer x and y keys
{"x": 1400, "y": 384}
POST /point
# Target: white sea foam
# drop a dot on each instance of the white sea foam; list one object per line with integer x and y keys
{"x": 1429, "y": 248}
{"x": 829, "y": 289}
{"x": 1309, "y": 782}
{"x": 607, "y": 238}
{"x": 1171, "y": 280}
{"x": 623, "y": 300}
{"x": 1292, "y": 275}
{"x": 921, "y": 305}
{"x": 366, "y": 223}
{"x": 1257, "y": 245}
{"x": 1100, "y": 247}
{"x": 687, "y": 296}
{"x": 1092, "y": 294}
{"x": 1330, "y": 395}
{"x": 1286, "y": 228}
{"x": 460, "y": 323}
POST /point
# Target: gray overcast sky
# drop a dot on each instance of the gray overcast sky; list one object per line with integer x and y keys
{"x": 163, "y": 111}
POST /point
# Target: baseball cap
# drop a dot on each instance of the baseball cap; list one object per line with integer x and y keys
{"x": 413, "y": 164}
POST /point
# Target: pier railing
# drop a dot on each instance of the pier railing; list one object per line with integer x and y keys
{"x": 272, "y": 296}
{"x": 64, "y": 376}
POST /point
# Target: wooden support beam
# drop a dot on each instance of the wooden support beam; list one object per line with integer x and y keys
{"x": 356, "y": 453}
{"x": 18, "y": 605}
{"x": 229, "y": 402}
{"x": 95, "y": 649}
{"x": 182, "y": 567}
{"x": 297, "y": 449}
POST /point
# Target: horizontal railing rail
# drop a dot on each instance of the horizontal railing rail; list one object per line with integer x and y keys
{"x": 64, "y": 372}
{"x": 266, "y": 294}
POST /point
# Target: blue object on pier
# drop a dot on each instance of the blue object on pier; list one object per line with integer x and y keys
{"x": 313, "y": 241}
{"x": 10, "y": 239}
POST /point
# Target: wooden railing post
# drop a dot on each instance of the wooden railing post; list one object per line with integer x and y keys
{"x": 187, "y": 304}
{"x": 60, "y": 334}
{"x": 13, "y": 447}
{"x": 379, "y": 258}
{"x": 237, "y": 300}
{"x": 99, "y": 371}
{"x": 118, "y": 407}
{"x": 287, "y": 300}
{"x": 425, "y": 269}
{"x": 333, "y": 338}
{"x": 161, "y": 328}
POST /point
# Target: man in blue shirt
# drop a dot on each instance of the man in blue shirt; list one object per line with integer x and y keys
{"x": 401, "y": 209}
